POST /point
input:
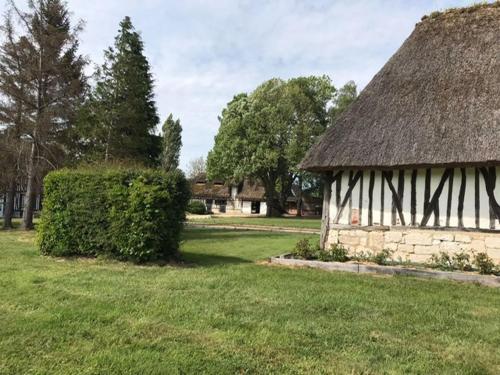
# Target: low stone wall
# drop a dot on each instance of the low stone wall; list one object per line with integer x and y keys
{"x": 415, "y": 245}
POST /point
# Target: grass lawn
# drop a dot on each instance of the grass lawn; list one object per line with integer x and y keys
{"x": 223, "y": 314}
{"x": 291, "y": 222}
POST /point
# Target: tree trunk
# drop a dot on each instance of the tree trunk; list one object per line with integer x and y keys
{"x": 270, "y": 187}
{"x": 299, "y": 198}
{"x": 29, "y": 199}
{"x": 8, "y": 212}
{"x": 269, "y": 205}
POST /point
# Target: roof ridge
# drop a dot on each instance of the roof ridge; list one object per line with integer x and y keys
{"x": 460, "y": 10}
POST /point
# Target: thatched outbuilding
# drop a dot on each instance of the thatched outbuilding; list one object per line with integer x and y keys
{"x": 247, "y": 197}
{"x": 420, "y": 147}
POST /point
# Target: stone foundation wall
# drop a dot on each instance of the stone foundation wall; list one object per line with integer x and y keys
{"x": 415, "y": 245}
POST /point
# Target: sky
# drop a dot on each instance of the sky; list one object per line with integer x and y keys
{"x": 203, "y": 52}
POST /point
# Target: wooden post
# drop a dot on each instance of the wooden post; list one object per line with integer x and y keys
{"x": 325, "y": 217}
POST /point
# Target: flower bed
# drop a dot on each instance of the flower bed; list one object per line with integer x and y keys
{"x": 478, "y": 268}
{"x": 357, "y": 267}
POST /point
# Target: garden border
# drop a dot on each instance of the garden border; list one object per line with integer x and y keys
{"x": 487, "y": 280}
{"x": 259, "y": 228}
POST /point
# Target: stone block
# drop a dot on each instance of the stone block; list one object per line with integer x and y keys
{"x": 492, "y": 242}
{"x": 462, "y": 238}
{"x": 393, "y": 236}
{"x": 449, "y": 247}
{"x": 360, "y": 233}
{"x": 443, "y": 236}
{"x": 477, "y": 245}
{"x": 391, "y": 246}
{"x": 418, "y": 238}
{"x": 426, "y": 250}
{"x": 333, "y": 236}
{"x": 495, "y": 255}
{"x": 376, "y": 240}
{"x": 348, "y": 240}
{"x": 419, "y": 258}
{"x": 405, "y": 248}
{"x": 465, "y": 247}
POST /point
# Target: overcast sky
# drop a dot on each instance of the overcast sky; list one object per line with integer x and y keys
{"x": 203, "y": 52}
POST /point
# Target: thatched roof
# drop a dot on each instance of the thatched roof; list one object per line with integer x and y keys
{"x": 201, "y": 188}
{"x": 435, "y": 102}
{"x": 251, "y": 191}
{"x": 248, "y": 190}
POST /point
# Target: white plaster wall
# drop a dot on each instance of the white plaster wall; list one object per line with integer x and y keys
{"x": 246, "y": 207}
{"x": 366, "y": 202}
{"x": 469, "y": 212}
{"x": 377, "y": 207}
{"x": 382, "y": 210}
{"x": 407, "y": 197}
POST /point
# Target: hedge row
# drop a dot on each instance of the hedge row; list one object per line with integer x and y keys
{"x": 129, "y": 214}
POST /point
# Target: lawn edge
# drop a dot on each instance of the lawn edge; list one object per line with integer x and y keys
{"x": 486, "y": 280}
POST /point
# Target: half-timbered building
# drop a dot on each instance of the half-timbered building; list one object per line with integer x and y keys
{"x": 413, "y": 165}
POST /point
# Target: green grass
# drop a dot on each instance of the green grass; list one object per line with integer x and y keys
{"x": 222, "y": 313}
{"x": 290, "y": 222}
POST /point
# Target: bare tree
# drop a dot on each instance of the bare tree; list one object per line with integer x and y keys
{"x": 52, "y": 81}
{"x": 196, "y": 167}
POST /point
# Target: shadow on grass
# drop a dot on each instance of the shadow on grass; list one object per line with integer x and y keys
{"x": 210, "y": 260}
{"x": 217, "y": 233}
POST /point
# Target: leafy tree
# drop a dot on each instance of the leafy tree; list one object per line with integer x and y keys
{"x": 265, "y": 134}
{"x": 172, "y": 143}
{"x": 308, "y": 181}
{"x": 42, "y": 82}
{"x": 120, "y": 116}
{"x": 196, "y": 167}
{"x": 343, "y": 99}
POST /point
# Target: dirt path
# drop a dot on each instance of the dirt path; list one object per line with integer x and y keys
{"x": 260, "y": 228}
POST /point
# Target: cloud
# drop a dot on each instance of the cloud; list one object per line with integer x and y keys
{"x": 203, "y": 52}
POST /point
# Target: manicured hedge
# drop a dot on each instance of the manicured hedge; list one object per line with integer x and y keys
{"x": 129, "y": 214}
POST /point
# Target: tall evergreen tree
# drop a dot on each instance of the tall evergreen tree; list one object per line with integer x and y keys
{"x": 42, "y": 81}
{"x": 120, "y": 117}
{"x": 172, "y": 143}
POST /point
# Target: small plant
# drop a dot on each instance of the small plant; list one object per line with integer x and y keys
{"x": 461, "y": 261}
{"x": 361, "y": 256}
{"x": 441, "y": 261}
{"x": 338, "y": 253}
{"x": 196, "y": 208}
{"x": 484, "y": 264}
{"x": 383, "y": 257}
{"x": 320, "y": 254}
{"x": 324, "y": 256}
{"x": 303, "y": 249}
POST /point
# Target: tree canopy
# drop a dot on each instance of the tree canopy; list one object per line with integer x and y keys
{"x": 265, "y": 134}
{"x": 41, "y": 87}
{"x": 120, "y": 116}
{"x": 172, "y": 143}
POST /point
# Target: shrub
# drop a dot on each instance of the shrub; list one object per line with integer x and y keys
{"x": 197, "y": 208}
{"x": 129, "y": 214}
{"x": 338, "y": 253}
{"x": 383, "y": 257}
{"x": 484, "y": 264}
{"x": 303, "y": 249}
{"x": 461, "y": 261}
{"x": 441, "y": 261}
